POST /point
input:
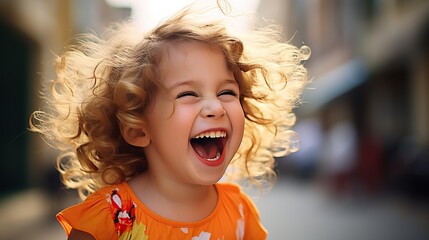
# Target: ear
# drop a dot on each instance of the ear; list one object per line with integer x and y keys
{"x": 138, "y": 137}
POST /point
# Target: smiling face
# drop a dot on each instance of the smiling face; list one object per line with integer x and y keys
{"x": 196, "y": 123}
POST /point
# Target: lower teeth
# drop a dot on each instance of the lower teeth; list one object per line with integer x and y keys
{"x": 215, "y": 158}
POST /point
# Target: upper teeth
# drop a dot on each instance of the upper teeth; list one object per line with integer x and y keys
{"x": 211, "y": 134}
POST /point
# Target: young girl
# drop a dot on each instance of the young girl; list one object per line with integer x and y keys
{"x": 149, "y": 123}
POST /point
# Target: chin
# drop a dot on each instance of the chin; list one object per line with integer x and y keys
{"x": 209, "y": 182}
{"x": 206, "y": 178}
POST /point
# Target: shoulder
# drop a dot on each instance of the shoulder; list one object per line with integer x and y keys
{"x": 235, "y": 200}
{"x": 108, "y": 199}
{"x": 98, "y": 209}
{"x": 232, "y": 193}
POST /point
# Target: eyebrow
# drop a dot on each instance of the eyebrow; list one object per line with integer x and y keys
{"x": 191, "y": 82}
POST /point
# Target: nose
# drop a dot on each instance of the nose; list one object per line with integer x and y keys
{"x": 212, "y": 108}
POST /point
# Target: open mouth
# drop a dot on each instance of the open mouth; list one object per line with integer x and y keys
{"x": 209, "y": 145}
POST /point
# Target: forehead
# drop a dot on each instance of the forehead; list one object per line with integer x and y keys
{"x": 182, "y": 55}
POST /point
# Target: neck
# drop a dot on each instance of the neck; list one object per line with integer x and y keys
{"x": 178, "y": 192}
{"x": 174, "y": 200}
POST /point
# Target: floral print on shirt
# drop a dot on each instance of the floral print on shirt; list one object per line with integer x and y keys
{"x": 123, "y": 213}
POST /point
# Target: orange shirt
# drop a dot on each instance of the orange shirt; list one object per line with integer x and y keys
{"x": 114, "y": 212}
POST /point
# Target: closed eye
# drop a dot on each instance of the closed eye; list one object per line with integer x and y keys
{"x": 228, "y": 92}
{"x": 187, "y": 94}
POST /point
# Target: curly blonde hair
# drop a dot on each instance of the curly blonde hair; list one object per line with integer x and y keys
{"x": 102, "y": 85}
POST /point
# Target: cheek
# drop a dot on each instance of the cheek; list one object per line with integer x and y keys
{"x": 175, "y": 127}
{"x": 238, "y": 112}
{"x": 237, "y": 117}
{"x": 240, "y": 125}
{"x": 159, "y": 118}
{"x": 184, "y": 115}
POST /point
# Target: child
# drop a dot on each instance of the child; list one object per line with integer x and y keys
{"x": 148, "y": 124}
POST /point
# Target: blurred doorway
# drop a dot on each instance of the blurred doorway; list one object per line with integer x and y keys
{"x": 17, "y": 53}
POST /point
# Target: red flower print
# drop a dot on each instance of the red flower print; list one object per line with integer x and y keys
{"x": 123, "y": 212}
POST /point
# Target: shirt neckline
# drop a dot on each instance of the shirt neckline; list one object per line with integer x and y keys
{"x": 170, "y": 222}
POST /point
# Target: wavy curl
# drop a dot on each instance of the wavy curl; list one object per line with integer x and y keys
{"x": 102, "y": 85}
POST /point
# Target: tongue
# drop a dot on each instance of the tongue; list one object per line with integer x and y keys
{"x": 206, "y": 148}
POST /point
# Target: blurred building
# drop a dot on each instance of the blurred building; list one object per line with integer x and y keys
{"x": 373, "y": 56}
{"x": 31, "y": 34}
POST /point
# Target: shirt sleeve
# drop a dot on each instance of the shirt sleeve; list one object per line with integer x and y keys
{"x": 92, "y": 216}
{"x": 253, "y": 227}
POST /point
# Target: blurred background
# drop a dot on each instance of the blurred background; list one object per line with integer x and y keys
{"x": 363, "y": 168}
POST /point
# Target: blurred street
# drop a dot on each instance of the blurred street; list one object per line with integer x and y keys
{"x": 292, "y": 210}
{"x": 301, "y": 211}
